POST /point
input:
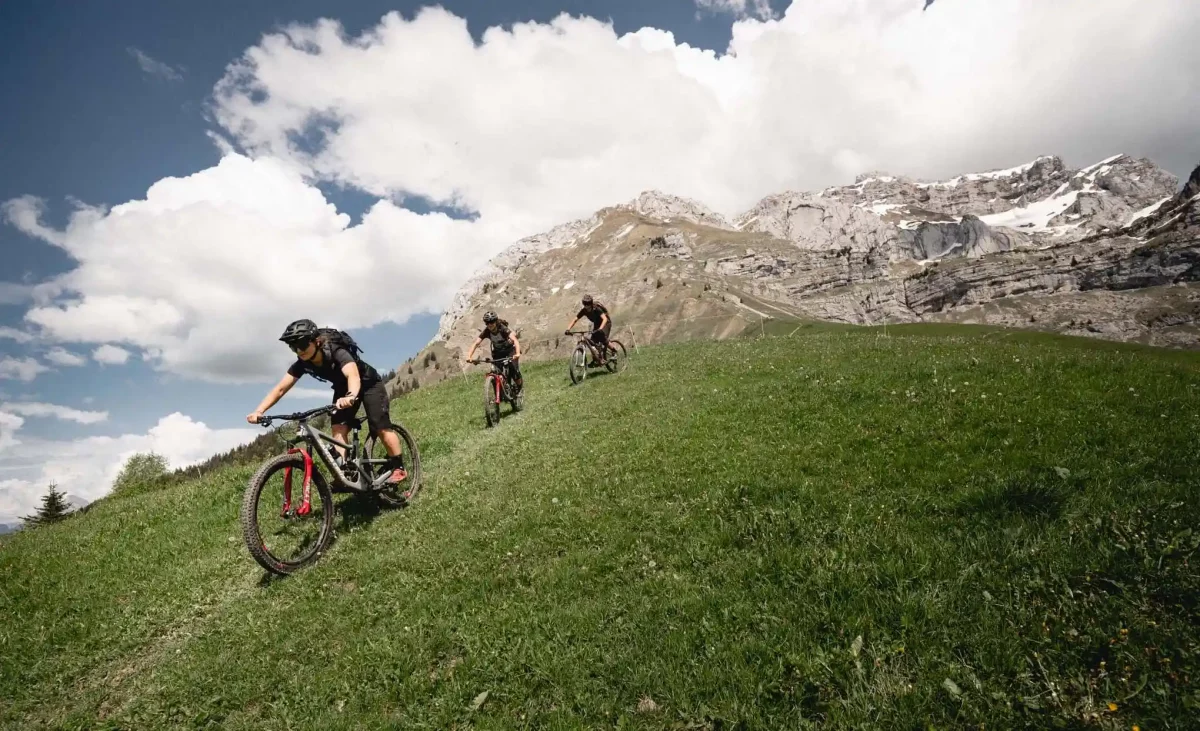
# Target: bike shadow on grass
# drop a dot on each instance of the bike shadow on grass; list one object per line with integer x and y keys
{"x": 506, "y": 412}
{"x": 595, "y": 372}
{"x": 355, "y": 511}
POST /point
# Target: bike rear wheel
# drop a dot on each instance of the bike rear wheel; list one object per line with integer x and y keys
{"x": 577, "y": 367}
{"x": 284, "y": 540}
{"x": 403, "y": 493}
{"x": 616, "y": 357}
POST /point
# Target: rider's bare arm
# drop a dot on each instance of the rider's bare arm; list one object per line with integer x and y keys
{"x": 350, "y": 370}
{"x": 573, "y": 323}
{"x": 603, "y": 320}
{"x": 512, "y": 338}
{"x": 285, "y": 384}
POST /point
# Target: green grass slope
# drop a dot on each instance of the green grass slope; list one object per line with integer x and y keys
{"x": 836, "y": 529}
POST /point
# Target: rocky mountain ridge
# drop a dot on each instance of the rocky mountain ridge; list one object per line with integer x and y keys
{"x": 1109, "y": 250}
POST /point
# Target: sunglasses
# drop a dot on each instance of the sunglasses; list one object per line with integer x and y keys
{"x": 300, "y": 347}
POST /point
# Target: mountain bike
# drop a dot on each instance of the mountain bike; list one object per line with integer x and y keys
{"x": 298, "y": 534}
{"x": 496, "y": 388}
{"x": 584, "y": 347}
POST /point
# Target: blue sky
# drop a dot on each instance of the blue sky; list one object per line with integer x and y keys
{"x": 164, "y": 192}
{"x": 91, "y": 124}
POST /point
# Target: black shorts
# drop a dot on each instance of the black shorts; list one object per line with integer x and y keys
{"x": 514, "y": 367}
{"x": 375, "y": 399}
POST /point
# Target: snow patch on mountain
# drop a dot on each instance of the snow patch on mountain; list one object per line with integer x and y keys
{"x": 1147, "y": 210}
{"x": 1033, "y": 217}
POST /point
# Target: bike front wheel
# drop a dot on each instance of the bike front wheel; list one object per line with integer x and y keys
{"x": 577, "y": 367}
{"x": 284, "y": 531}
{"x": 491, "y": 407}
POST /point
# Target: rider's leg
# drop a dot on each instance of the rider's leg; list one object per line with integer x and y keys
{"x": 600, "y": 337}
{"x": 339, "y": 425}
{"x": 375, "y": 400}
{"x": 514, "y": 370}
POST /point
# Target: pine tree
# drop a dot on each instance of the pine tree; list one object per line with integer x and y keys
{"x": 54, "y": 508}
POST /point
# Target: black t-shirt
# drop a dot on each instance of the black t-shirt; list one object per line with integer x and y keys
{"x": 500, "y": 342}
{"x": 597, "y": 310}
{"x": 331, "y": 369}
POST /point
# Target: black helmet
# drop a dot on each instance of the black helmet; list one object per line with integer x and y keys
{"x": 587, "y": 299}
{"x": 490, "y": 317}
{"x": 299, "y": 331}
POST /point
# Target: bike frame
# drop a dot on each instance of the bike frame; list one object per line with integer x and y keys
{"x": 497, "y": 374}
{"x": 587, "y": 342}
{"x": 314, "y": 437}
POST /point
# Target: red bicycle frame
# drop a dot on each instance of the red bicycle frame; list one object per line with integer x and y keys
{"x": 498, "y": 380}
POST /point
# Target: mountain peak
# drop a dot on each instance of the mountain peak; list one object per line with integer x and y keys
{"x": 666, "y": 207}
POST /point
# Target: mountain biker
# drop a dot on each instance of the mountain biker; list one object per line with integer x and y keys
{"x": 503, "y": 343}
{"x": 327, "y": 358}
{"x": 601, "y": 324}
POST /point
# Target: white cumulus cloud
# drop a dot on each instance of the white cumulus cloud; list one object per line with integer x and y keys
{"x": 260, "y": 248}
{"x": 12, "y": 333}
{"x": 63, "y": 357}
{"x": 21, "y": 369}
{"x": 9, "y": 424}
{"x": 110, "y": 354}
{"x": 565, "y": 117}
{"x": 66, "y": 413}
{"x": 86, "y": 468}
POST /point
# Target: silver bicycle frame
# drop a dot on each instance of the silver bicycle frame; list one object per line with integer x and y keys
{"x": 316, "y": 437}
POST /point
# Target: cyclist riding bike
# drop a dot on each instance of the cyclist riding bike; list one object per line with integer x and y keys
{"x": 504, "y": 344}
{"x": 330, "y": 355}
{"x": 601, "y": 324}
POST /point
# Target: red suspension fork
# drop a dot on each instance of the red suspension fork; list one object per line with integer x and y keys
{"x": 498, "y": 380}
{"x": 305, "y": 504}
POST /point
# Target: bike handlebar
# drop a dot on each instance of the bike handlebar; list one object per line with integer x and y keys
{"x": 266, "y": 420}
{"x": 489, "y": 360}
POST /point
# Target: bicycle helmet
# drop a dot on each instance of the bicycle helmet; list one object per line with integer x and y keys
{"x": 299, "y": 331}
{"x": 490, "y": 317}
{"x": 587, "y": 299}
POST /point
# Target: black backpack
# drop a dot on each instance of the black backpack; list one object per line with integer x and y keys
{"x": 334, "y": 339}
{"x": 340, "y": 339}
